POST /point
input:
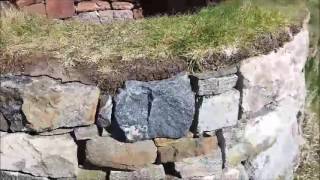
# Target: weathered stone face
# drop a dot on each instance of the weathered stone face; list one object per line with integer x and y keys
{"x": 47, "y": 156}
{"x": 84, "y": 174}
{"x": 108, "y": 152}
{"x": 155, "y": 109}
{"x": 154, "y": 172}
{"x": 85, "y": 133}
{"x": 105, "y": 112}
{"x": 218, "y": 111}
{"x": 122, "y": 5}
{"x": 41, "y": 103}
{"x": 60, "y": 8}
{"x": 201, "y": 167}
{"x": 170, "y": 150}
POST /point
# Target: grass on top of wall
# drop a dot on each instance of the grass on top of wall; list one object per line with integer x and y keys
{"x": 234, "y": 24}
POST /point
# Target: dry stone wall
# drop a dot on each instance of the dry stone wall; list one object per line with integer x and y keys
{"x": 97, "y": 11}
{"x": 237, "y": 123}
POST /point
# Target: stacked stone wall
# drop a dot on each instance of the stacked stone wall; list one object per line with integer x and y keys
{"x": 241, "y": 122}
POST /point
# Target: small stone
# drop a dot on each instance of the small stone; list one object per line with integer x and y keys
{"x": 154, "y": 172}
{"x": 85, "y": 133}
{"x": 201, "y": 167}
{"x": 122, "y": 5}
{"x": 38, "y": 9}
{"x": 218, "y": 111}
{"x": 146, "y": 110}
{"x": 60, "y": 9}
{"x": 85, "y": 174}
{"x": 46, "y": 156}
{"x": 108, "y": 152}
{"x": 105, "y": 112}
{"x": 86, "y": 6}
{"x": 122, "y": 14}
{"x": 8, "y": 175}
{"x": 170, "y": 150}
{"x": 204, "y": 85}
{"x": 138, "y": 13}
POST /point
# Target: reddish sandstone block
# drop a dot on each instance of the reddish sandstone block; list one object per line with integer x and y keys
{"x": 39, "y": 9}
{"x": 137, "y": 13}
{"x": 122, "y": 5}
{"x": 103, "y": 5}
{"x": 23, "y": 3}
{"x": 94, "y": 5}
{"x": 60, "y": 8}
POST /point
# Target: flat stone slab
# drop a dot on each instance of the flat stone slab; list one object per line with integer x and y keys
{"x": 218, "y": 111}
{"x": 85, "y": 174}
{"x": 46, "y": 156}
{"x": 85, "y": 133}
{"x": 108, "y": 152}
{"x": 171, "y": 150}
{"x": 8, "y": 175}
{"x": 42, "y": 103}
{"x": 201, "y": 167}
{"x": 154, "y": 172}
{"x": 145, "y": 110}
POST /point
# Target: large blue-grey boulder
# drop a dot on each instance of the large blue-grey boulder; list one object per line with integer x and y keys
{"x": 145, "y": 110}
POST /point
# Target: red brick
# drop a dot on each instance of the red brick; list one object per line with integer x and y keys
{"x": 35, "y": 9}
{"x": 60, "y": 8}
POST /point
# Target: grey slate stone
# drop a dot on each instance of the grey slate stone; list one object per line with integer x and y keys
{"x": 154, "y": 172}
{"x": 145, "y": 110}
{"x": 9, "y": 175}
{"x": 4, "y": 126}
{"x": 213, "y": 85}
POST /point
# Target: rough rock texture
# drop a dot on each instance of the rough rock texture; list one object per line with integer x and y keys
{"x": 4, "y": 126}
{"x": 215, "y": 82}
{"x": 84, "y": 174}
{"x": 122, "y": 15}
{"x": 41, "y": 103}
{"x": 218, "y": 111}
{"x": 273, "y": 105}
{"x": 170, "y": 150}
{"x": 60, "y": 9}
{"x": 85, "y": 133}
{"x": 155, "y": 109}
{"x": 154, "y": 172}
{"x": 108, "y": 152}
{"x": 105, "y": 112}
{"x": 56, "y": 132}
{"x": 8, "y": 175}
{"x": 39, "y": 9}
{"x": 122, "y": 5}
{"x": 47, "y": 156}
{"x": 202, "y": 167}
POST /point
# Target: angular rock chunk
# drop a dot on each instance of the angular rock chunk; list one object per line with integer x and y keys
{"x": 56, "y": 132}
{"x": 105, "y": 112}
{"x": 41, "y": 103}
{"x": 122, "y": 5}
{"x": 170, "y": 150}
{"x": 201, "y": 167}
{"x": 122, "y": 14}
{"x": 154, "y": 172}
{"x": 215, "y": 82}
{"x": 47, "y": 156}
{"x": 4, "y": 126}
{"x": 85, "y": 133}
{"x": 218, "y": 111}
{"x": 146, "y": 110}
{"x": 108, "y": 152}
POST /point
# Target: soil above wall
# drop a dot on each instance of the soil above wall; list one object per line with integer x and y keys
{"x": 139, "y": 69}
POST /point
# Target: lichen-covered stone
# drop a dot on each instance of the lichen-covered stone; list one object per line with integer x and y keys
{"x": 46, "y": 156}
{"x": 154, "y": 172}
{"x": 42, "y": 103}
{"x": 200, "y": 167}
{"x": 85, "y": 174}
{"x": 145, "y": 110}
{"x": 108, "y": 152}
{"x": 171, "y": 150}
{"x": 218, "y": 111}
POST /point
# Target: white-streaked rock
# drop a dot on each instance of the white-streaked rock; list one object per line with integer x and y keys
{"x": 154, "y": 172}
